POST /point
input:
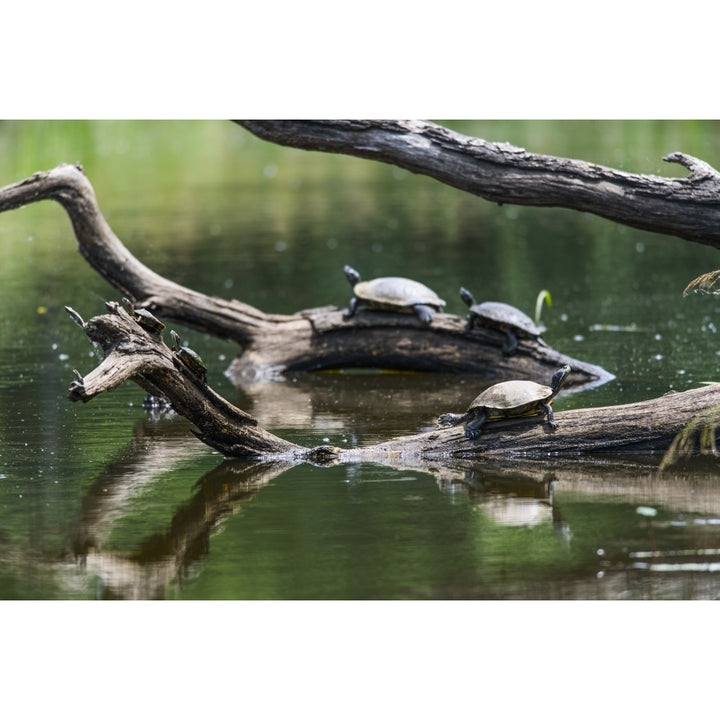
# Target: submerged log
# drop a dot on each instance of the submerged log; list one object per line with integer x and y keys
{"x": 500, "y": 172}
{"x": 134, "y": 353}
{"x": 307, "y": 340}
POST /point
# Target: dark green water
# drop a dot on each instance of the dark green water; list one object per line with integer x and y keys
{"x": 104, "y": 500}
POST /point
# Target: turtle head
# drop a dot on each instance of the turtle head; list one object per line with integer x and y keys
{"x": 559, "y": 378}
{"x": 467, "y": 297}
{"x": 352, "y": 275}
{"x": 176, "y": 341}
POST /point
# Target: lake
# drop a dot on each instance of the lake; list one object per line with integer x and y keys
{"x": 110, "y": 500}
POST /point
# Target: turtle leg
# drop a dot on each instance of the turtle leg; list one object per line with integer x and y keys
{"x": 550, "y": 417}
{"x": 424, "y": 312}
{"x": 352, "y": 308}
{"x": 512, "y": 343}
{"x": 473, "y": 427}
{"x": 470, "y": 321}
{"x": 450, "y": 419}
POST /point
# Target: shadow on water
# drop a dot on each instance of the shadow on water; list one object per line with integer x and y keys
{"x": 551, "y": 529}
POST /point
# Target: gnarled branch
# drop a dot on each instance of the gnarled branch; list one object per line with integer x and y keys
{"x": 502, "y": 173}
{"x": 307, "y": 340}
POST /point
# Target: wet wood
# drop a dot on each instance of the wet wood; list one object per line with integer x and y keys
{"x": 133, "y": 353}
{"x": 307, "y": 340}
{"x": 500, "y": 172}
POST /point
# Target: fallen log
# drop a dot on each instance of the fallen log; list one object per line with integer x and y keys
{"x": 273, "y": 344}
{"x": 500, "y": 172}
{"x": 134, "y": 353}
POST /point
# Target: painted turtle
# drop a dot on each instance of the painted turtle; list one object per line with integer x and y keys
{"x": 514, "y": 398}
{"x": 144, "y": 318}
{"x": 503, "y": 317}
{"x": 189, "y": 358}
{"x": 393, "y": 294}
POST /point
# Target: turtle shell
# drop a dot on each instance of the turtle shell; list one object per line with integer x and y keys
{"x": 502, "y": 314}
{"x": 512, "y": 396}
{"x": 396, "y": 292}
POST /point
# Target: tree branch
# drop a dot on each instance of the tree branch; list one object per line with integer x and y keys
{"x": 688, "y": 208}
{"x": 133, "y": 353}
{"x": 307, "y": 340}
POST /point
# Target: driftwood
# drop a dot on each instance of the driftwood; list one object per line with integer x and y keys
{"x": 134, "y": 353}
{"x": 500, "y": 172}
{"x": 307, "y": 340}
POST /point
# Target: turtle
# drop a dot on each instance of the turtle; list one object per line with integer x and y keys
{"x": 513, "y": 398}
{"x": 144, "y": 318}
{"x": 189, "y": 358}
{"x": 503, "y": 317}
{"x": 393, "y": 294}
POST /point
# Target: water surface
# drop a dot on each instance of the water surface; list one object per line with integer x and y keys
{"x": 106, "y": 500}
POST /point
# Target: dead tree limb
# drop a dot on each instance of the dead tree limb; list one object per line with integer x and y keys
{"x": 131, "y": 352}
{"x": 499, "y": 172}
{"x": 307, "y": 340}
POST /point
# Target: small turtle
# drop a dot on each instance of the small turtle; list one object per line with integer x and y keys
{"x": 503, "y": 317}
{"x": 144, "y": 318}
{"x": 514, "y": 398}
{"x": 393, "y": 294}
{"x": 189, "y": 358}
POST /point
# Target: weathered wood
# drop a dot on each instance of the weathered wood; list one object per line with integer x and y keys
{"x": 273, "y": 344}
{"x": 133, "y": 353}
{"x": 686, "y": 207}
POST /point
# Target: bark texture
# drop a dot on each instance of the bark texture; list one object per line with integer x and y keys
{"x": 500, "y": 172}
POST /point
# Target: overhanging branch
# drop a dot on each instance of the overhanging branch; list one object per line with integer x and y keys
{"x": 686, "y": 207}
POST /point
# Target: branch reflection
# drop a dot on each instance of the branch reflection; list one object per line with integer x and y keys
{"x": 567, "y": 497}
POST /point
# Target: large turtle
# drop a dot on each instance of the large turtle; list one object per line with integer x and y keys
{"x": 503, "y": 317}
{"x": 514, "y": 398}
{"x": 394, "y": 294}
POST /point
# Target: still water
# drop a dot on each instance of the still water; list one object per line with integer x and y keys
{"x": 108, "y": 500}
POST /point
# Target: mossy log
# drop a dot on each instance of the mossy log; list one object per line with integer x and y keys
{"x": 134, "y": 353}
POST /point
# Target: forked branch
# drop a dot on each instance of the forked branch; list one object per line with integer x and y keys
{"x": 307, "y": 340}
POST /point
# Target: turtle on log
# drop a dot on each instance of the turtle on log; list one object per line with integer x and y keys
{"x": 392, "y": 294}
{"x": 513, "y": 398}
{"x": 503, "y": 317}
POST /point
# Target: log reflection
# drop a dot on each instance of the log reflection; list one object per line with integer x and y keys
{"x": 516, "y": 496}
